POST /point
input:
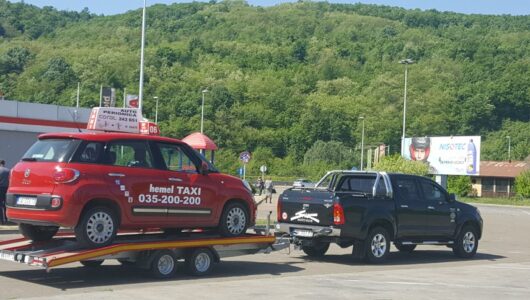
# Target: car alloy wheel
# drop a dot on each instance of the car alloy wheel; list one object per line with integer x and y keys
{"x": 378, "y": 245}
{"x": 236, "y": 220}
{"x": 100, "y": 227}
{"x": 469, "y": 242}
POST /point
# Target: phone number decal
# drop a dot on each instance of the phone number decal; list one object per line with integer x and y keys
{"x": 168, "y": 199}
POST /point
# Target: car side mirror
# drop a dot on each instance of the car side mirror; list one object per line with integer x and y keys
{"x": 452, "y": 198}
{"x": 204, "y": 168}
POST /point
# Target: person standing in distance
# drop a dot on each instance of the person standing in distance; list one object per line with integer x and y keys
{"x": 4, "y": 184}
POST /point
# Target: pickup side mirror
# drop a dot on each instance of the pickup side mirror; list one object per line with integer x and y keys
{"x": 204, "y": 168}
{"x": 452, "y": 198}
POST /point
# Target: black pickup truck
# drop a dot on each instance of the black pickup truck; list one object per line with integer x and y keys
{"x": 371, "y": 209}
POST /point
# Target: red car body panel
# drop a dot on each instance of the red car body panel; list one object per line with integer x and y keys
{"x": 146, "y": 197}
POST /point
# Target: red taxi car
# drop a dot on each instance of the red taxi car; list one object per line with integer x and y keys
{"x": 98, "y": 183}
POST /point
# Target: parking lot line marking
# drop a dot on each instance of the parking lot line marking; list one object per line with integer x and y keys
{"x": 509, "y": 267}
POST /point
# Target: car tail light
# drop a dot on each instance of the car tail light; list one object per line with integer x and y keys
{"x": 65, "y": 175}
{"x": 279, "y": 210}
{"x": 56, "y": 202}
{"x": 338, "y": 214}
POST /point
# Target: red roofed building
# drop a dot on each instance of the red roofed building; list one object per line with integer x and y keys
{"x": 497, "y": 178}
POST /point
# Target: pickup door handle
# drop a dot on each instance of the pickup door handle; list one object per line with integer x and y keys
{"x": 116, "y": 175}
{"x": 430, "y": 207}
{"x": 175, "y": 179}
{"x": 404, "y": 206}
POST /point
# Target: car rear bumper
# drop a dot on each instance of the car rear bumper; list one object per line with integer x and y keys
{"x": 41, "y": 213}
{"x": 318, "y": 231}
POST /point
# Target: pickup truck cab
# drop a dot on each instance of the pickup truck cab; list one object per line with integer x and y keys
{"x": 371, "y": 209}
{"x": 100, "y": 182}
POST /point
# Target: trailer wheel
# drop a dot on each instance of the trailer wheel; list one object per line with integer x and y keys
{"x": 199, "y": 262}
{"x": 38, "y": 233}
{"x": 92, "y": 263}
{"x": 164, "y": 264}
{"x": 97, "y": 227}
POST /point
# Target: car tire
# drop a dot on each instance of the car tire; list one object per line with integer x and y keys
{"x": 377, "y": 245}
{"x": 164, "y": 264}
{"x": 38, "y": 233}
{"x": 234, "y": 220}
{"x": 97, "y": 227}
{"x": 199, "y": 262}
{"x": 405, "y": 248}
{"x": 317, "y": 249}
{"x": 466, "y": 243}
{"x": 92, "y": 263}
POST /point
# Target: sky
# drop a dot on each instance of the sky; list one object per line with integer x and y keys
{"x": 491, "y": 7}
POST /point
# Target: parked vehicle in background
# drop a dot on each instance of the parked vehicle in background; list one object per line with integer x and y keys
{"x": 371, "y": 209}
{"x": 303, "y": 183}
{"x": 98, "y": 183}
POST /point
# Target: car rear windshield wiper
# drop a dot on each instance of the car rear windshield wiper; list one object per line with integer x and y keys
{"x": 29, "y": 159}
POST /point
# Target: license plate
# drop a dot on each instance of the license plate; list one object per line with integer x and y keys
{"x": 303, "y": 233}
{"x": 30, "y": 201}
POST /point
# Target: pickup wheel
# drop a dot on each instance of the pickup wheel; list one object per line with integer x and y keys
{"x": 377, "y": 245}
{"x": 38, "y": 233}
{"x": 466, "y": 243}
{"x": 234, "y": 220}
{"x": 97, "y": 227}
{"x": 317, "y": 249}
{"x": 405, "y": 248}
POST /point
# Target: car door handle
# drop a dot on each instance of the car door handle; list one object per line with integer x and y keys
{"x": 404, "y": 206}
{"x": 116, "y": 175}
{"x": 175, "y": 179}
{"x": 430, "y": 207}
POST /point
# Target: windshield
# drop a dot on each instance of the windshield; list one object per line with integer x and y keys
{"x": 51, "y": 150}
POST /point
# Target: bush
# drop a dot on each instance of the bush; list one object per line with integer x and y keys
{"x": 459, "y": 185}
{"x": 522, "y": 184}
{"x": 396, "y": 163}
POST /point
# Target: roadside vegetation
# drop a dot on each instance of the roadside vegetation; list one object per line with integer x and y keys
{"x": 287, "y": 82}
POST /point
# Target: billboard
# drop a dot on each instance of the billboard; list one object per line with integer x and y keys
{"x": 446, "y": 155}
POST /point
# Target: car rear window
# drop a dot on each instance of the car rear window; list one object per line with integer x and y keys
{"x": 51, "y": 150}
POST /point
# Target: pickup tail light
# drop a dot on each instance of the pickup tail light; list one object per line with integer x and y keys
{"x": 65, "y": 175}
{"x": 338, "y": 214}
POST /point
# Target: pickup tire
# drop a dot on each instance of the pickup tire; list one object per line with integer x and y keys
{"x": 377, "y": 245}
{"x": 317, "y": 249}
{"x": 405, "y": 248}
{"x": 234, "y": 220}
{"x": 466, "y": 243}
{"x": 38, "y": 233}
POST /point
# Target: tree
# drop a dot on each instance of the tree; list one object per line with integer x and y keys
{"x": 522, "y": 184}
{"x": 459, "y": 185}
{"x": 396, "y": 163}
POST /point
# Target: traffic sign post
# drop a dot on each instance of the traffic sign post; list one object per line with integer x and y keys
{"x": 245, "y": 158}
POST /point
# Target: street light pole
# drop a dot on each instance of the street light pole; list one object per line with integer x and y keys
{"x": 509, "y": 148}
{"x": 202, "y": 110}
{"x": 141, "y": 89}
{"x": 362, "y": 144}
{"x": 406, "y": 62}
{"x": 156, "y": 109}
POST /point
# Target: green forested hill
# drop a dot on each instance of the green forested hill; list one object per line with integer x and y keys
{"x": 283, "y": 78}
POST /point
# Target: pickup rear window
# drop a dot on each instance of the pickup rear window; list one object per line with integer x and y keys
{"x": 51, "y": 150}
{"x": 360, "y": 184}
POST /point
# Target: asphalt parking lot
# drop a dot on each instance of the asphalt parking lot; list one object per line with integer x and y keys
{"x": 501, "y": 268}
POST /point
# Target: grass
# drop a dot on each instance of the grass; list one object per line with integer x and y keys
{"x": 517, "y": 201}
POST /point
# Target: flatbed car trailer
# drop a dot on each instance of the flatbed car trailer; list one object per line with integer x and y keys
{"x": 153, "y": 251}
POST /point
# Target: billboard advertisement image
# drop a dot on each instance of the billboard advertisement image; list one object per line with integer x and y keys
{"x": 446, "y": 155}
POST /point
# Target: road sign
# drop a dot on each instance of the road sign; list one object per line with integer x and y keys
{"x": 244, "y": 156}
{"x": 263, "y": 169}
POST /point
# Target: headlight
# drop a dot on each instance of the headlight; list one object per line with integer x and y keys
{"x": 247, "y": 186}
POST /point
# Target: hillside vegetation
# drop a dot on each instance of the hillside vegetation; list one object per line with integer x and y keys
{"x": 288, "y": 82}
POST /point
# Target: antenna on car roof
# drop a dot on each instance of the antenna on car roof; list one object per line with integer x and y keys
{"x": 74, "y": 119}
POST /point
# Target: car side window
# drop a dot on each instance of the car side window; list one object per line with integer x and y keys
{"x": 176, "y": 158}
{"x": 126, "y": 153}
{"x": 406, "y": 189}
{"x": 89, "y": 152}
{"x": 431, "y": 192}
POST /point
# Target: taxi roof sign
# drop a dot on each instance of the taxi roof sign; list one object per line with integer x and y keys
{"x": 115, "y": 119}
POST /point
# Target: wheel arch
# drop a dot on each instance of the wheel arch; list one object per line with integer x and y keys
{"x": 384, "y": 223}
{"x": 102, "y": 202}
{"x": 474, "y": 224}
